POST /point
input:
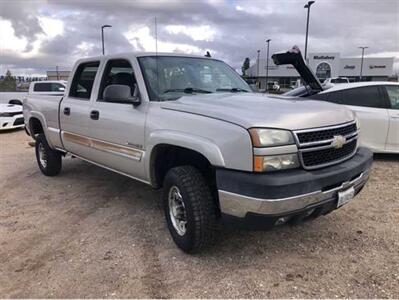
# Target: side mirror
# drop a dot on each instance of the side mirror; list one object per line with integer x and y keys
{"x": 118, "y": 93}
{"x": 61, "y": 89}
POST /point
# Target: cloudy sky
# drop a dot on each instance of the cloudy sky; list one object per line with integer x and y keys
{"x": 36, "y": 36}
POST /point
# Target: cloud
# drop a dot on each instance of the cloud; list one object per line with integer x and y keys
{"x": 38, "y": 35}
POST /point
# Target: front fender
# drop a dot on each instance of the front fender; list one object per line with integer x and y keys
{"x": 196, "y": 143}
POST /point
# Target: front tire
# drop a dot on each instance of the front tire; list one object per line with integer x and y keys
{"x": 190, "y": 210}
{"x": 49, "y": 160}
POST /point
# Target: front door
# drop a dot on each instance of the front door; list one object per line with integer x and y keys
{"x": 75, "y": 110}
{"x": 117, "y": 129}
{"x": 393, "y": 133}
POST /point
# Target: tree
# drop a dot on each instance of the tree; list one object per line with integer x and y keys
{"x": 9, "y": 83}
{"x": 245, "y": 66}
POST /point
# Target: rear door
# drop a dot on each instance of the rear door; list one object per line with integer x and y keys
{"x": 117, "y": 129}
{"x": 75, "y": 109}
{"x": 370, "y": 106}
{"x": 392, "y": 92}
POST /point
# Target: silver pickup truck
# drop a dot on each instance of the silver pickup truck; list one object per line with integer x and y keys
{"x": 190, "y": 125}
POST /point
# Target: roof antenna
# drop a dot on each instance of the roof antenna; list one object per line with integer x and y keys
{"x": 156, "y": 55}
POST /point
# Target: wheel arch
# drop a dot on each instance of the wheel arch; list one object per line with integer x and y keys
{"x": 176, "y": 148}
{"x": 37, "y": 124}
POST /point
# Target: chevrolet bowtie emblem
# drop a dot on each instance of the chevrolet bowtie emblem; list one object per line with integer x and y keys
{"x": 338, "y": 141}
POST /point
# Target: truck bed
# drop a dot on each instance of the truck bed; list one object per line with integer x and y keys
{"x": 45, "y": 108}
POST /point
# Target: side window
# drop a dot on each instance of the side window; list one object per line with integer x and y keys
{"x": 319, "y": 97}
{"x": 57, "y": 87}
{"x": 83, "y": 81}
{"x": 334, "y": 97}
{"x": 42, "y": 87}
{"x": 368, "y": 96}
{"x": 393, "y": 95}
{"x": 117, "y": 71}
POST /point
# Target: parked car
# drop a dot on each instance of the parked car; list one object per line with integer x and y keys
{"x": 376, "y": 105}
{"x": 336, "y": 80}
{"x": 192, "y": 126}
{"x": 48, "y": 87}
{"x": 11, "y": 116}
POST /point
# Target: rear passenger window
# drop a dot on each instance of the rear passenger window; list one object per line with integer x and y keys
{"x": 57, "y": 87}
{"x": 365, "y": 96}
{"x": 393, "y": 95}
{"x": 82, "y": 83}
{"x": 42, "y": 87}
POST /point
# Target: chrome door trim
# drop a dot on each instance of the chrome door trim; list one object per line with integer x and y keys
{"x": 121, "y": 150}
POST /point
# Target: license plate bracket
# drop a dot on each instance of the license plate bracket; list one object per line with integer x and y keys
{"x": 345, "y": 196}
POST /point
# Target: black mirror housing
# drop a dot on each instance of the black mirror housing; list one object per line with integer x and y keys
{"x": 119, "y": 93}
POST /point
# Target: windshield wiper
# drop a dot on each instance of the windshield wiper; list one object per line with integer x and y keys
{"x": 188, "y": 90}
{"x": 232, "y": 90}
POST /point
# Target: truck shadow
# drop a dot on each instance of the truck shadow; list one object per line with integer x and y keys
{"x": 5, "y": 132}
{"x": 386, "y": 157}
{"x": 141, "y": 208}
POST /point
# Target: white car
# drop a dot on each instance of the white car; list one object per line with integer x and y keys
{"x": 11, "y": 116}
{"x": 376, "y": 105}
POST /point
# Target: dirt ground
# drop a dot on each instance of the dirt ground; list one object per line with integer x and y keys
{"x": 91, "y": 233}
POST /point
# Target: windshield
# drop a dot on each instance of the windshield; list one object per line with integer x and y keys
{"x": 170, "y": 77}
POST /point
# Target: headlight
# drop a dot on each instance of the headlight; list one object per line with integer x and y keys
{"x": 275, "y": 162}
{"x": 270, "y": 137}
{"x": 357, "y": 123}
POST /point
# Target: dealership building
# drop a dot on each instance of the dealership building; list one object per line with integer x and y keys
{"x": 324, "y": 65}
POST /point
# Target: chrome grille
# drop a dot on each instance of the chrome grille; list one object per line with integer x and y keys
{"x": 318, "y": 148}
{"x": 320, "y": 135}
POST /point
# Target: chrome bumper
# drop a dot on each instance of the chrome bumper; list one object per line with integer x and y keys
{"x": 239, "y": 205}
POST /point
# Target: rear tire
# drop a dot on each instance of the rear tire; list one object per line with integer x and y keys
{"x": 49, "y": 160}
{"x": 190, "y": 210}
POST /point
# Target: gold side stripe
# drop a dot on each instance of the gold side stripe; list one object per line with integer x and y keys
{"x": 103, "y": 146}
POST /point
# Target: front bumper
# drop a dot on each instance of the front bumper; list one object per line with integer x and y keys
{"x": 286, "y": 193}
{"x": 16, "y": 121}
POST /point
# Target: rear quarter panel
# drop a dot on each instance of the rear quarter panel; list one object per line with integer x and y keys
{"x": 44, "y": 108}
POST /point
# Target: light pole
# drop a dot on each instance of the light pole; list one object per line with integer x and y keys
{"x": 361, "y": 63}
{"x": 257, "y": 69}
{"x": 307, "y": 26}
{"x": 267, "y": 64}
{"x": 102, "y": 35}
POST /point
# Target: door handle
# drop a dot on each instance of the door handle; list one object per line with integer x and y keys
{"x": 67, "y": 111}
{"x": 94, "y": 115}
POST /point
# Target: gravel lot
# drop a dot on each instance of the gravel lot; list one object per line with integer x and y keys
{"x": 92, "y": 233}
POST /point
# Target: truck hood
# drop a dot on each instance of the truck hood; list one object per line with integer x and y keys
{"x": 259, "y": 110}
{"x": 10, "y": 108}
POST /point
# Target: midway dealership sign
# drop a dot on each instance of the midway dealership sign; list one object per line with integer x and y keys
{"x": 323, "y": 57}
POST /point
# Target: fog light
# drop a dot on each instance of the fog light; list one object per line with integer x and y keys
{"x": 282, "y": 220}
